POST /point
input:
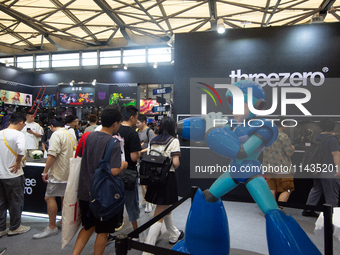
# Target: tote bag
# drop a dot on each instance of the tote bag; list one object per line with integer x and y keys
{"x": 71, "y": 214}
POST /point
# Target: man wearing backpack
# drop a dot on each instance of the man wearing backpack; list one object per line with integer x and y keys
{"x": 327, "y": 183}
{"x": 132, "y": 150}
{"x": 94, "y": 151}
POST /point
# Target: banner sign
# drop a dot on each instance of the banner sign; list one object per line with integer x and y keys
{"x": 12, "y": 97}
{"x": 160, "y": 91}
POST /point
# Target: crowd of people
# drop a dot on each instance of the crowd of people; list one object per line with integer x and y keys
{"x": 60, "y": 141}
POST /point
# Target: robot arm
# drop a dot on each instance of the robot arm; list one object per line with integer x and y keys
{"x": 248, "y": 147}
{"x": 196, "y": 128}
{"x": 258, "y": 137}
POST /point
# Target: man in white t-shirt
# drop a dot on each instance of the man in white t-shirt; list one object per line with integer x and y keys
{"x": 33, "y": 132}
{"x": 56, "y": 173}
{"x": 12, "y": 180}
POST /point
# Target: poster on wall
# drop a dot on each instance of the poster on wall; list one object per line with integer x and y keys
{"x": 17, "y": 98}
{"x": 47, "y": 101}
{"x": 123, "y": 94}
{"x": 119, "y": 99}
{"x": 76, "y": 99}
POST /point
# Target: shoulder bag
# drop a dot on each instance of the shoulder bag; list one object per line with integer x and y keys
{"x": 154, "y": 170}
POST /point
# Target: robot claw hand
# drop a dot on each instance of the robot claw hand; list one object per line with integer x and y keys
{"x": 214, "y": 119}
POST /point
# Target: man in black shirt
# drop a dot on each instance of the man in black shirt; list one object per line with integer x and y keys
{"x": 132, "y": 150}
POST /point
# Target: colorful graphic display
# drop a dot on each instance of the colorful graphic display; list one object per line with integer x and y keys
{"x": 12, "y": 97}
{"x": 47, "y": 101}
{"x": 76, "y": 99}
{"x": 146, "y": 106}
{"x": 118, "y": 98}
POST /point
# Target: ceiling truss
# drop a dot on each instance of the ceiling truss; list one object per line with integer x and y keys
{"x": 28, "y": 26}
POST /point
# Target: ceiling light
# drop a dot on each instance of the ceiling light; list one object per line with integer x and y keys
{"x": 94, "y": 82}
{"x": 155, "y": 65}
{"x": 125, "y": 67}
{"x": 220, "y": 26}
{"x": 71, "y": 83}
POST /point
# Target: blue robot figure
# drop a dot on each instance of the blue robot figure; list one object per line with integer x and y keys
{"x": 242, "y": 141}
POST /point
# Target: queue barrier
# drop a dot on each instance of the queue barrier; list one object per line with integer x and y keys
{"x": 124, "y": 243}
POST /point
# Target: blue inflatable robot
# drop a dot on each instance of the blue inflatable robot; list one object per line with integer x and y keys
{"x": 242, "y": 141}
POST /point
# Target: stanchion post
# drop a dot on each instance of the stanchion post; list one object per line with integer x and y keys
{"x": 328, "y": 224}
{"x": 121, "y": 245}
{"x": 193, "y": 192}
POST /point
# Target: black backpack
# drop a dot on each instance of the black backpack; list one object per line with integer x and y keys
{"x": 107, "y": 195}
{"x": 313, "y": 155}
{"x": 154, "y": 170}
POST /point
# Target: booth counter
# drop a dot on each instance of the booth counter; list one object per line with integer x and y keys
{"x": 34, "y": 186}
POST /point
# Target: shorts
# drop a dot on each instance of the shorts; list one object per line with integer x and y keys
{"x": 132, "y": 203}
{"x": 55, "y": 189}
{"x": 280, "y": 182}
{"x": 88, "y": 220}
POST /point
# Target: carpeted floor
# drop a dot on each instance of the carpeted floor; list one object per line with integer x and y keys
{"x": 246, "y": 223}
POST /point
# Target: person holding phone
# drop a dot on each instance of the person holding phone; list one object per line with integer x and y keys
{"x": 33, "y": 132}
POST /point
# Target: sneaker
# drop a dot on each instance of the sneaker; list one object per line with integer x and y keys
{"x": 2, "y": 250}
{"x": 120, "y": 227}
{"x": 148, "y": 207}
{"x": 59, "y": 224}
{"x": 20, "y": 230}
{"x": 46, "y": 233}
{"x": 308, "y": 213}
{"x": 181, "y": 235}
{"x": 4, "y": 232}
{"x": 142, "y": 204}
{"x": 110, "y": 239}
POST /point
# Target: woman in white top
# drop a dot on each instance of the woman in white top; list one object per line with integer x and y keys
{"x": 165, "y": 196}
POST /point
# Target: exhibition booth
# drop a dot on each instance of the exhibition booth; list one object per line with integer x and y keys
{"x": 293, "y": 62}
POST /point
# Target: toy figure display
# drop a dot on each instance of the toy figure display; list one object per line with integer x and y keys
{"x": 242, "y": 143}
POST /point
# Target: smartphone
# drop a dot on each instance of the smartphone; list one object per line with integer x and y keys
{"x": 28, "y": 129}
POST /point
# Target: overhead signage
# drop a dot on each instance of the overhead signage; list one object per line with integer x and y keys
{"x": 161, "y": 91}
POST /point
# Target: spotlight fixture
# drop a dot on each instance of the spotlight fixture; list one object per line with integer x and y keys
{"x": 94, "y": 82}
{"x": 125, "y": 67}
{"x": 155, "y": 65}
{"x": 71, "y": 83}
{"x": 220, "y": 26}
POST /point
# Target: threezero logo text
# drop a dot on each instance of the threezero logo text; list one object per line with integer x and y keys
{"x": 280, "y": 79}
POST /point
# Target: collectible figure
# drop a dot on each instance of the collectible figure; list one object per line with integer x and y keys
{"x": 242, "y": 141}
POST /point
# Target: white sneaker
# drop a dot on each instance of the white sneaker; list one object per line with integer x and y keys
{"x": 4, "y": 232}
{"x": 142, "y": 204}
{"x": 20, "y": 230}
{"x": 2, "y": 250}
{"x": 58, "y": 224}
{"x": 148, "y": 207}
{"x": 46, "y": 233}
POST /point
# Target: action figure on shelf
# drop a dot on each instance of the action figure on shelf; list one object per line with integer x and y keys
{"x": 242, "y": 142}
